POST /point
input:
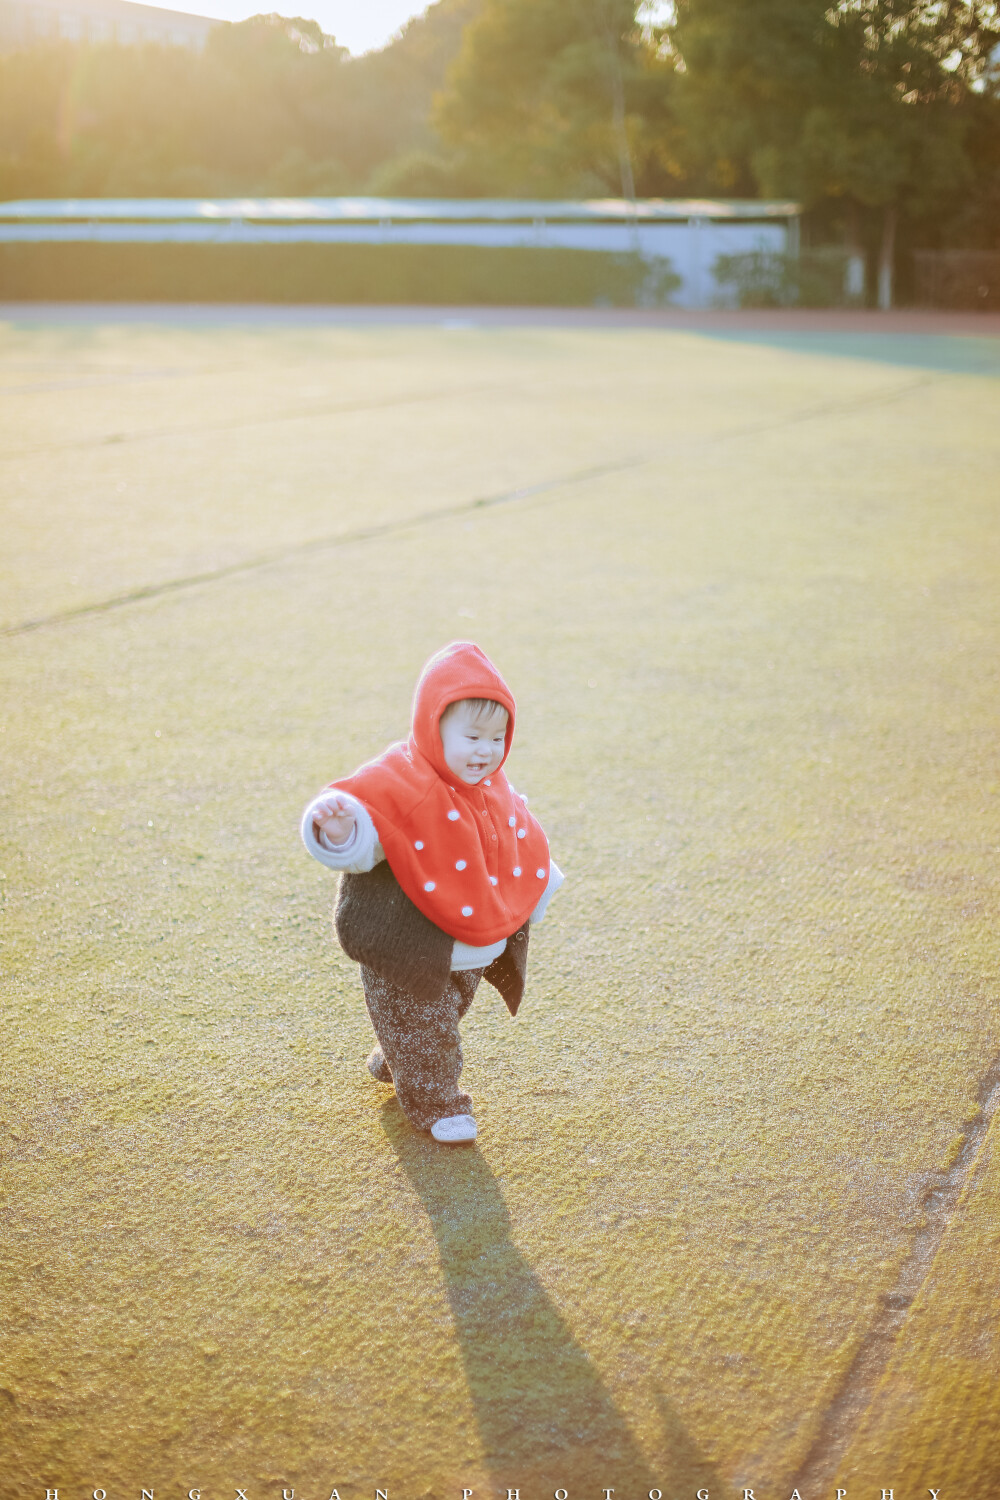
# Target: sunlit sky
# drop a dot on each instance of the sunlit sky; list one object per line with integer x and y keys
{"x": 359, "y": 25}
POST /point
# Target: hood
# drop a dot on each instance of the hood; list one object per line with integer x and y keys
{"x": 460, "y": 670}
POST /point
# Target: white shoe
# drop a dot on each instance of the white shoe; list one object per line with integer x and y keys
{"x": 454, "y": 1128}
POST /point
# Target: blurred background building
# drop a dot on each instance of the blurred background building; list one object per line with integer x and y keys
{"x": 23, "y": 22}
{"x": 664, "y": 246}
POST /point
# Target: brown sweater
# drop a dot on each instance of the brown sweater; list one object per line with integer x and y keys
{"x": 378, "y": 925}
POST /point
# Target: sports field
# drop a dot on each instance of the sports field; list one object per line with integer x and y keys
{"x": 733, "y": 1217}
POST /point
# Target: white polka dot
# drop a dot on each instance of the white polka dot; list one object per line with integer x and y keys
{"x": 428, "y": 885}
{"x": 460, "y": 864}
{"x": 466, "y": 911}
{"x": 487, "y": 782}
{"x": 517, "y": 869}
{"x": 419, "y": 844}
{"x": 453, "y": 816}
{"x": 521, "y": 832}
{"x": 540, "y": 874}
{"x": 511, "y": 822}
{"x": 493, "y": 880}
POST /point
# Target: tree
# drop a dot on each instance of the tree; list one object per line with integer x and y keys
{"x": 272, "y": 105}
{"x": 391, "y": 140}
{"x": 894, "y": 132}
{"x": 865, "y": 102}
{"x": 542, "y": 98}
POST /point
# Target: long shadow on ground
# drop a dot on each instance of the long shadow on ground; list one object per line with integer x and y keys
{"x": 543, "y": 1412}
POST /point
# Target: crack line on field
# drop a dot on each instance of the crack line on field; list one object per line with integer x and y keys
{"x": 322, "y": 544}
{"x": 449, "y": 512}
{"x": 942, "y": 1195}
{"x": 337, "y": 408}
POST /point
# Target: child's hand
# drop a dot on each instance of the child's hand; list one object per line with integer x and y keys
{"x": 334, "y": 816}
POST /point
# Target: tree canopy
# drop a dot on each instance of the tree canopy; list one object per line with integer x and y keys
{"x": 869, "y": 104}
{"x": 554, "y": 96}
{"x": 270, "y": 106}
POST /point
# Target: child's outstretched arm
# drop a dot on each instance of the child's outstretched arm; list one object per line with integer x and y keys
{"x": 333, "y": 814}
{"x": 338, "y": 831}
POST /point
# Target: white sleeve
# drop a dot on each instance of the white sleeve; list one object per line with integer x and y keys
{"x": 556, "y": 879}
{"x": 358, "y": 855}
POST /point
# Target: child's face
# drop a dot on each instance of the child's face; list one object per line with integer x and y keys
{"x": 473, "y": 743}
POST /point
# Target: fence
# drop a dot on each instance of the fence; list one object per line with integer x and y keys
{"x": 958, "y": 278}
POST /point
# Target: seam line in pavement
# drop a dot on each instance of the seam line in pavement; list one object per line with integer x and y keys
{"x": 941, "y": 1197}
{"x": 146, "y": 434}
{"x": 463, "y": 507}
{"x": 319, "y": 544}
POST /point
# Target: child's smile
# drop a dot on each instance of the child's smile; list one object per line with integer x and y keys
{"x": 473, "y": 743}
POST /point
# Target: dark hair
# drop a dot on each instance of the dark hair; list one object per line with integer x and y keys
{"x": 480, "y": 708}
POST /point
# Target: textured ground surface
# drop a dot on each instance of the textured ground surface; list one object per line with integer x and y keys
{"x": 733, "y": 1215}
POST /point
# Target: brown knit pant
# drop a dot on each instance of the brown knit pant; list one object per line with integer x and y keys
{"x": 420, "y": 1044}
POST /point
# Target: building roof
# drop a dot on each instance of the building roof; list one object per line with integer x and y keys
{"x": 393, "y": 210}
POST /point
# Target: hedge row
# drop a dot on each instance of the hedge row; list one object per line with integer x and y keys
{"x": 436, "y": 274}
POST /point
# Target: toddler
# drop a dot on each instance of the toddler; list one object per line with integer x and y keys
{"x": 444, "y": 870}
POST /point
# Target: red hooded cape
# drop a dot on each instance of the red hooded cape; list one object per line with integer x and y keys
{"x": 471, "y": 858}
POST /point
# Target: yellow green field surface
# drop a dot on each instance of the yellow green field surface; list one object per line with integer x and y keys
{"x": 731, "y": 1218}
{"x": 938, "y": 1408}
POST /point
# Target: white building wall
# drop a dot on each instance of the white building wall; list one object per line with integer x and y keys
{"x": 23, "y": 22}
{"x": 689, "y": 246}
